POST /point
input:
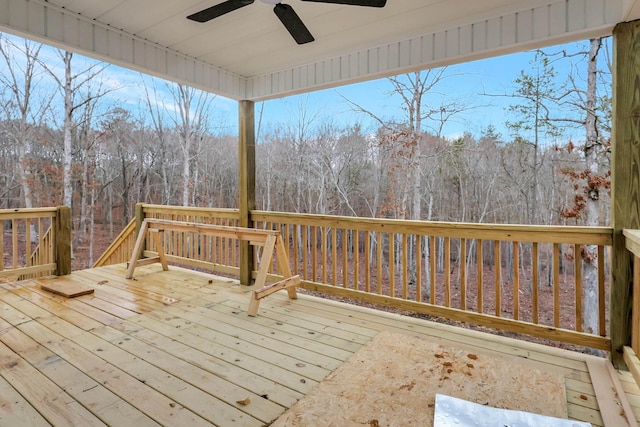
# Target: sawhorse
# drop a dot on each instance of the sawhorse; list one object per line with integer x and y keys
{"x": 269, "y": 240}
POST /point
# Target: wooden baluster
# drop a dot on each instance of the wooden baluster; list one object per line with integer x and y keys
{"x": 345, "y": 258}
{"x": 462, "y": 265}
{"x": 405, "y": 271}
{"x": 447, "y": 271}
{"x": 392, "y": 265}
{"x": 535, "y": 282}
{"x": 516, "y": 280}
{"x": 432, "y": 267}
{"x": 367, "y": 264}
{"x": 379, "y": 262}
{"x": 498, "y": 277}
{"x": 323, "y": 241}
{"x": 556, "y": 285}
{"x": 296, "y": 248}
{"x": 418, "y": 268}
{"x": 577, "y": 266}
{"x": 602, "y": 322}
{"x": 356, "y": 259}
{"x": 314, "y": 253}
{"x": 480, "y": 273}
{"x": 305, "y": 251}
{"x": 334, "y": 256}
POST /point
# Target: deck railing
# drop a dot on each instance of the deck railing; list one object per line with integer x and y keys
{"x": 523, "y": 279}
{"x": 35, "y": 242}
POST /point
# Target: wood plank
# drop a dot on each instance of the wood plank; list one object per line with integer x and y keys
{"x": 381, "y": 320}
{"x": 246, "y": 339}
{"x": 107, "y": 406}
{"x": 162, "y": 396}
{"x": 15, "y": 410}
{"x": 221, "y": 377}
{"x": 240, "y": 349}
{"x": 68, "y": 290}
{"x": 228, "y": 320}
{"x": 213, "y": 383}
{"x": 612, "y": 402}
{"x": 266, "y": 325}
{"x": 53, "y": 403}
{"x": 299, "y": 319}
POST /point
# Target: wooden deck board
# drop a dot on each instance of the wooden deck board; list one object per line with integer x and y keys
{"x": 15, "y": 410}
{"x": 177, "y": 348}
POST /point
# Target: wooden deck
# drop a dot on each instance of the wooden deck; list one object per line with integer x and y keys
{"x": 177, "y": 348}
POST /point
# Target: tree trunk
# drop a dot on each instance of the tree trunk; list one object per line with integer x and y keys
{"x": 590, "y": 252}
{"x": 67, "y": 186}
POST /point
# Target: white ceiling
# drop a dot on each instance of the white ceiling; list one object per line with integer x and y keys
{"x": 248, "y": 54}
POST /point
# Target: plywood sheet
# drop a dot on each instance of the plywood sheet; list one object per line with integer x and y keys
{"x": 393, "y": 380}
{"x": 66, "y": 289}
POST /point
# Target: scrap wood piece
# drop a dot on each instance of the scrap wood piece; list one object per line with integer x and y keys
{"x": 68, "y": 290}
{"x": 612, "y": 401}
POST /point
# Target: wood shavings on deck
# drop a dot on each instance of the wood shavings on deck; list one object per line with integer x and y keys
{"x": 393, "y": 380}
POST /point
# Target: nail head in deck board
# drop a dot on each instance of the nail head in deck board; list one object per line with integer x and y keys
{"x": 69, "y": 290}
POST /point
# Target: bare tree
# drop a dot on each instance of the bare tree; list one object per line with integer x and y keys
{"x": 25, "y": 106}
{"x": 193, "y": 109}
{"x": 70, "y": 86}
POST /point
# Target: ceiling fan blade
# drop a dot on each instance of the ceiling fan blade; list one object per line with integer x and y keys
{"x": 293, "y": 23}
{"x": 369, "y": 3}
{"x": 218, "y": 10}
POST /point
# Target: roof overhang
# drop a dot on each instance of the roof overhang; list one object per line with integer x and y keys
{"x": 247, "y": 54}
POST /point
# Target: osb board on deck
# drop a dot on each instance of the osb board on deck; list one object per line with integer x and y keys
{"x": 393, "y": 380}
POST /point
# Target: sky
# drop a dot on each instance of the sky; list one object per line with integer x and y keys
{"x": 480, "y": 84}
{"x": 469, "y": 83}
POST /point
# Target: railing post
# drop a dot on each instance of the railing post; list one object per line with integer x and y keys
{"x": 624, "y": 179}
{"x": 63, "y": 241}
{"x": 247, "y": 182}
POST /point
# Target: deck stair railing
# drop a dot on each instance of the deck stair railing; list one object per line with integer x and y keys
{"x": 521, "y": 279}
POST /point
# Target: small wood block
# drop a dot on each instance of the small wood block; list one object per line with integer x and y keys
{"x": 68, "y": 290}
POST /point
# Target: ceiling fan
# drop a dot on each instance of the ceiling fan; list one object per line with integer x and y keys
{"x": 284, "y": 12}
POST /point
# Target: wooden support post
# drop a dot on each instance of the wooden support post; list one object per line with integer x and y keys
{"x": 247, "y": 182}
{"x": 63, "y": 241}
{"x": 625, "y": 175}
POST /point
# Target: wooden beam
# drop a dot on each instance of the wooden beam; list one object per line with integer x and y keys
{"x": 247, "y": 182}
{"x": 625, "y": 175}
{"x": 612, "y": 400}
{"x": 63, "y": 241}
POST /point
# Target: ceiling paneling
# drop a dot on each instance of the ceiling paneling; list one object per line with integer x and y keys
{"x": 248, "y": 54}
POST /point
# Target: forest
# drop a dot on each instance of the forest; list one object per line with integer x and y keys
{"x": 65, "y": 142}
